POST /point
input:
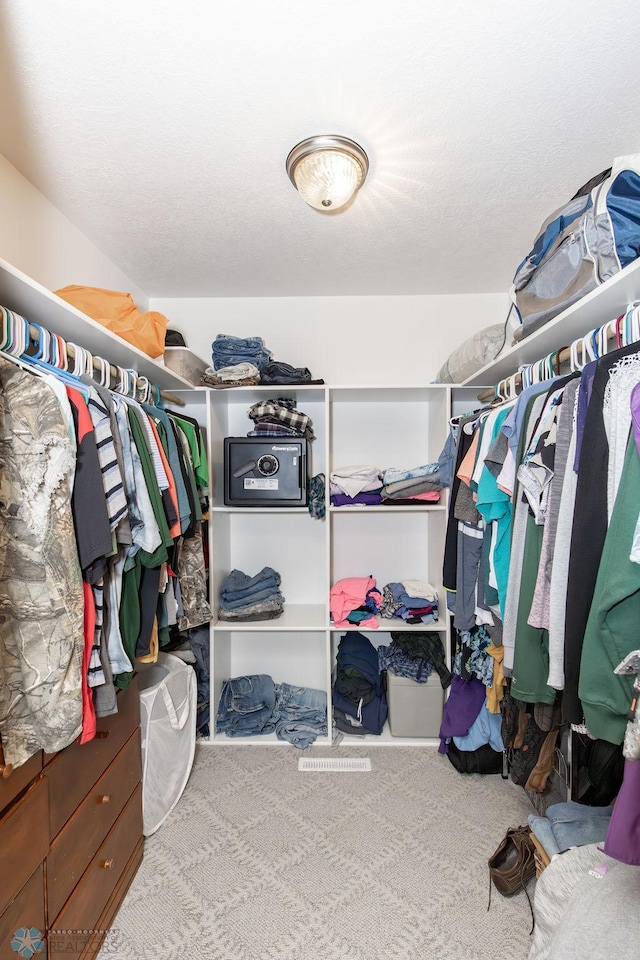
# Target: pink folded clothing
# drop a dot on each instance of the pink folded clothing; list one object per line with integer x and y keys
{"x": 430, "y": 496}
{"x": 349, "y": 594}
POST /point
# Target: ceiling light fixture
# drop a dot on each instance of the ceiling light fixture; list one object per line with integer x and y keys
{"x": 326, "y": 171}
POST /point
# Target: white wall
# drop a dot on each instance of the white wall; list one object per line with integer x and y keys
{"x": 38, "y": 239}
{"x": 386, "y": 340}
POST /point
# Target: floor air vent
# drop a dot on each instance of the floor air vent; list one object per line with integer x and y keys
{"x": 341, "y": 765}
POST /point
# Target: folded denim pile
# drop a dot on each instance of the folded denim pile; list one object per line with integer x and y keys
{"x": 278, "y": 417}
{"x": 254, "y": 705}
{"x": 414, "y": 484}
{"x": 245, "y": 598}
{"x": 570, "y": 824}
{"x": 361, "y": 484}
{"x": 359, "y": 699}
{"x": 414, "y": 601}
{"x": 354, "y": 600}
{"x": 415, "y": 655}
{"x": 243, "y": 361}
{"x": 227, "y": 351}
{"x": 277, "y": 372}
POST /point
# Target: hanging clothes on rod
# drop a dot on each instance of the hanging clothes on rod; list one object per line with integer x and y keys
{"x": 566, "y": 458}
{"x": 57, "y": 351}
{"x": 100, "y": 496}
{"x": 616, "y": 333}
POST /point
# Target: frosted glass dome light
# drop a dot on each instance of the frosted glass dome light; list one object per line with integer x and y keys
{"x": 327, "y": 170}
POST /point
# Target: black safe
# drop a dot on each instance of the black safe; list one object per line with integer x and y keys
{"x": 271, "y": 471}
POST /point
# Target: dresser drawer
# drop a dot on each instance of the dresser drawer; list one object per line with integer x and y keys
{"x": 24, "y": 840}
{"x": 83, "y": 833}
{"x": 84, "y": 944}
{"x": 87, "y": 902}
{"x": 74, "y": 771}
{"x": 18, "y": 779}
{"x": 26, "y": 911}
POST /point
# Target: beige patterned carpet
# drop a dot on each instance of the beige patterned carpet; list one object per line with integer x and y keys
{"x": 261, "y": 862}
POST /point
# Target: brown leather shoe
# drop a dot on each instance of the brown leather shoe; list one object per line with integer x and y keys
{"x": 513, "y": 862}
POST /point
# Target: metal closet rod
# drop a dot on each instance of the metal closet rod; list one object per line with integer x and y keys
{"x": 558, "y": 358}
{"x": 562, "y": 355}
{"x": 34, "y": 333}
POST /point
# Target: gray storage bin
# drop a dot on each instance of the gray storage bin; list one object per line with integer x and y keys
{"x": 415, "y": 709}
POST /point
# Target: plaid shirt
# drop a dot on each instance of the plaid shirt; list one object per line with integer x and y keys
{"x": 276, "y": 410}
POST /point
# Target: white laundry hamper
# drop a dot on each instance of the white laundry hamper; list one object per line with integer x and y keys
{"x": 168, "y": 704}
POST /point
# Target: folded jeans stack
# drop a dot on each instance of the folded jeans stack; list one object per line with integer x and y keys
{"x": 278, "y": 372}
{"x": 244, "y": 598}
{"x": 414, "y": 601}
{"x": 415, "y": 484}
{"x": 254, "y": 706}
{"x": 226, "y": 351}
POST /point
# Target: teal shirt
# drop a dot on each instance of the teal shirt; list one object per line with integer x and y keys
{"x": 495, "y": 505}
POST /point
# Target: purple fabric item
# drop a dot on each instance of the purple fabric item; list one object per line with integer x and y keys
{"x": 635, "y": 414}
{"x": 584, "y": 395}
{"x": 342, "y": 500}
{"x": 623, "y": 836}
{"x": 464, "y": 703}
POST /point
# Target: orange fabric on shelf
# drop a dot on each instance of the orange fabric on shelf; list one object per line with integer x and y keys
{"x": 118, "y": 313}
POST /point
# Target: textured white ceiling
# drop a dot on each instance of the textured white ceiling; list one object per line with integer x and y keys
{"x": 161, "y": 130}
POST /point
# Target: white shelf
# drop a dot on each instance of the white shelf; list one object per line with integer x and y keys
{"x": 259, "y": 510}
{"x": 393, "y": 624}
{"x": 604, "y": 303}
{"x": 35, "y": 303}
{"x": 386, "y": 740}
{"x": 268, "y": 740}
{"x": 372, "y": 508}
{"x": 399, "y": 425}
{"x": 295, "y": 616}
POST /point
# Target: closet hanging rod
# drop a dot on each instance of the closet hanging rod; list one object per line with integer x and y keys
{"x": 169, "y": 397}
{"x": 34, "y": 334}
{"x": 562, "y": 355}
{"x": 600, "y": 337}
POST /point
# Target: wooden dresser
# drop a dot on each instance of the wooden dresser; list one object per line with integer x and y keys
{"x": 71, "y": 839}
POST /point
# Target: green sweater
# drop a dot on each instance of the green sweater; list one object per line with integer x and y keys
{"x": 613, "y": 627}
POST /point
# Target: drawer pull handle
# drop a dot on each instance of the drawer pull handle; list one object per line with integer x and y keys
{"x": 101, "y": 734}
{"x": 105, "y": 798}
{"x": 107, "y": 864}
{"x": 6, "y": 769}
